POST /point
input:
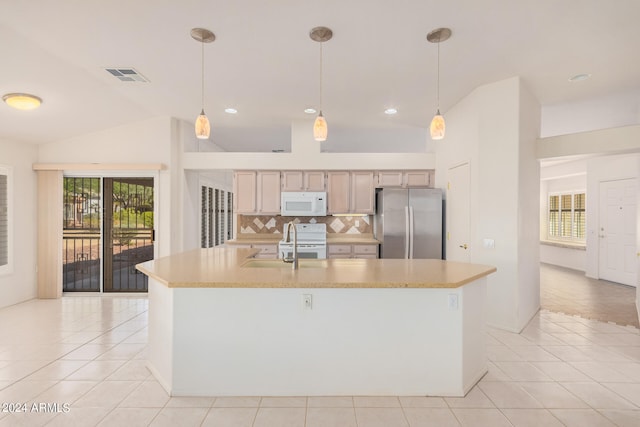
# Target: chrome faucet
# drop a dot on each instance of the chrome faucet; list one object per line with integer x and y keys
{"x": 294, "y": 259}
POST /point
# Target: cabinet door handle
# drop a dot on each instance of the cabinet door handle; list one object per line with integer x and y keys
{"x": 464, "y": 246}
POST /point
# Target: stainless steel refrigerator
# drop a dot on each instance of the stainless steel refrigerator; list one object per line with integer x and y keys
{"x": 408, "y": 223}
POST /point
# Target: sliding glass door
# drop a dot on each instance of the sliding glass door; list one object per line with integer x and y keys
{"x": 108, "y": 229}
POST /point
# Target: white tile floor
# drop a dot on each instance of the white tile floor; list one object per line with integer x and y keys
{"x": 88, "y": 353}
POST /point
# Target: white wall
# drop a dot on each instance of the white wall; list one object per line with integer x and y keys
{"x": 306, "y": 154}
{"x": 599, "y": 169}
{"x": 495, "y": 128}
{"x": 573, "y": 258}
{"x": 20, "y": 284}
{"x": 528, "y": 208}
{"x": 615, "y": 110}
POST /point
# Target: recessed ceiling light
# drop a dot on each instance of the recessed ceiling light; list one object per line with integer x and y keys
{"x": 391, "y": 111}
{"x": 579, "y": 77}
{"x": 22, "y": 101}
{"x": 310, "y": 110}
{"x": 231, "y": 111}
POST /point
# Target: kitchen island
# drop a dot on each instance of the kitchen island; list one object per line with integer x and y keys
{"x": 222, "y": 323}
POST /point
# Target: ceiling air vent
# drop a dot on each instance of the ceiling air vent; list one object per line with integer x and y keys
{"x": 127, "y": 74}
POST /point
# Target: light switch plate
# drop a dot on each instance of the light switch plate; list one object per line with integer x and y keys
{"x": 489, "y": 243}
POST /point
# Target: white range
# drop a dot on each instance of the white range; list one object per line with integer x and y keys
{"x": 312, "y": 241}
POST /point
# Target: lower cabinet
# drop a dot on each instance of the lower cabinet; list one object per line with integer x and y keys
{"x": 267, "y": 251}
{"x": 352, "y": 251}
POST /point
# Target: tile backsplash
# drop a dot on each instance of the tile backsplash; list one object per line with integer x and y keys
{"x": 273, "y": 224}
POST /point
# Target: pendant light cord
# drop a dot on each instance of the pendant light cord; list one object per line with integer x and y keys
{"x": 202, "y": 44}
{"x": 320, "y": 77}
{"x": 438, "y": 87}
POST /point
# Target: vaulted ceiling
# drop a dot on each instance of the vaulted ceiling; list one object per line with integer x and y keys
{"x": 264, "y": 64}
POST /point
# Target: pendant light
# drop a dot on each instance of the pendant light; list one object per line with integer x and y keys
{"x": 437, "y": 124}
{"x": 320, "y": 130}
{"x": 203, "y": 128}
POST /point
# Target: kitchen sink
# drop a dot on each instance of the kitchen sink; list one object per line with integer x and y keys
{"x": 278, "y": 263}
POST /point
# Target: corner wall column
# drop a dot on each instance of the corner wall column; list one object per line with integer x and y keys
{"x": 50, "y": 208}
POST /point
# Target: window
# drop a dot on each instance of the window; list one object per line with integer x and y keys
{"x": 567, "y": 216}
{"x": 5, "y": 220}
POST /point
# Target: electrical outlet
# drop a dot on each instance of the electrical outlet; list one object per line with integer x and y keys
{"x": 453, "y": 302}
{"x": 357, "y": 223}
{"x": 307, "y": 302}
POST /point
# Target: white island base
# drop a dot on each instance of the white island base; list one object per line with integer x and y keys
{"x": 353, "y": 341}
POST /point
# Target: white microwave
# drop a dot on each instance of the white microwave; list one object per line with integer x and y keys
{"x": 307, "y": 203}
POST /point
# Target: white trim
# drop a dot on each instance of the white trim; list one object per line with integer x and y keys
{"x": 98, "y": 166}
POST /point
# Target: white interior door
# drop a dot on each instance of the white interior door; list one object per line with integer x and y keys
{"x": 617, "y": 231}
{"x": 458, "y": 244}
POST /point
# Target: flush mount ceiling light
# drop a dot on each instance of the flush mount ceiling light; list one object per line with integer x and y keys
{"x": 320, "y": 35}
{"x": 437, "y": 124}
{"x": 579, "y": 78}
{"x": 22, "y": 101}
{"x": 310, "y": 110}
{"x": 391, "y": 111}
{"x": 230, "y": 110}
{"x": 203, "y": 128}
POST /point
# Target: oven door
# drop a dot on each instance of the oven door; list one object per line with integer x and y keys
{"x": 309, "y": 251}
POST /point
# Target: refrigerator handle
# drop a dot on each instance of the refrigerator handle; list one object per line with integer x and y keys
{"x": 411, "y": 232}
{"x": 406, "y": 232}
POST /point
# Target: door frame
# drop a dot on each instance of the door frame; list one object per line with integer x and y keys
{"x": 448, "y": 209}
{"x": 120, "y": 173}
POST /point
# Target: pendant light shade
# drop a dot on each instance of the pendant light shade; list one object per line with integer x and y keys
{"x": 203, "y": 127}
{"x": 437, "y": 127}
{"x": 320, "y": 128}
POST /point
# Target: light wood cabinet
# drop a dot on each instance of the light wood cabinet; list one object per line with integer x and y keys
{"x": 405, "y": 179}
{"x": 303, "y": 181}
{"x": 244, "y": 189}
{"x": 292, "y": 181}
{"x": 268, "y": 190}
{"x": 390, "y": 179}
{"x": 256, "y": 192}
{"x": 362, "y": 193}
{"x": 352, "y": 251}
{"x": 338, "y": 192}
{"x": 314, "y": 181}
{"x": 350, "y": 192}
{"x": 417, "y": 179}
{"x": 267, "y": 251}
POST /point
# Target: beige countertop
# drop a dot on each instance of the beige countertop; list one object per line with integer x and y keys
{"x": 226, "y": 268}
